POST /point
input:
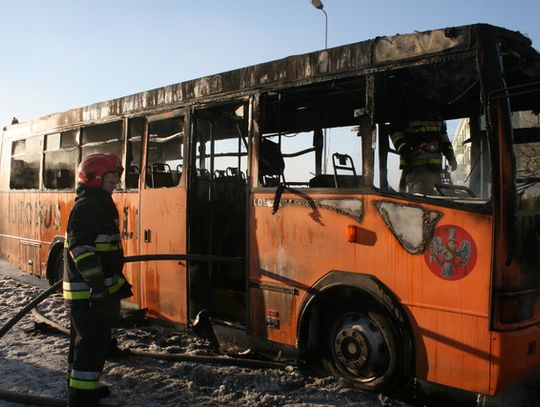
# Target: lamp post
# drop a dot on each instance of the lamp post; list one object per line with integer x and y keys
{"x": 319, "y": 6}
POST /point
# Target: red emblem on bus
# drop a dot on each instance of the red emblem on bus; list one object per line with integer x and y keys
{"x": 451, "y": 254}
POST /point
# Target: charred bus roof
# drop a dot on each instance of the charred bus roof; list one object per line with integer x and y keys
{"x": 380, "y": 54}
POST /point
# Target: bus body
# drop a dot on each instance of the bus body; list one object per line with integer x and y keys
{"x": 281, "y": 179}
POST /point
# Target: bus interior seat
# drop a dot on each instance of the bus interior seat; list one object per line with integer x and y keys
{"x": 229, "y": 183}
{"x": 234, "y": 172}
{"x": 219, "y": 174}
{"x": 340, "y": 162}
{"x": 203, "y": 173}
{"x": 159, "y": 176}
{"x": 271, "y": 163}
{"x": 344, "y": 162}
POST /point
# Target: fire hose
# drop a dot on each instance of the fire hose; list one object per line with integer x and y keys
{"x": 31, "y": 306}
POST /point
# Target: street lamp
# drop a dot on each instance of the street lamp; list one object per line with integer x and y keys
{"x": 319, "y": 6}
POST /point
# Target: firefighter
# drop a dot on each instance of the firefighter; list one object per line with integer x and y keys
{"x": 421, "y": 145}
{"x": 93, "y": 281}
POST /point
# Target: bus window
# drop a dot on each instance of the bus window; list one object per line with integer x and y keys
{"x": 165, "y": 153}
{"x": 431, "y": 138}
{"x": 310, "y": 136}
{"x": 61, "y": 154}
{"x": 102, "y": 138}
{"x": 341, "y": 160}
{"x": 25, "y": 163}
{"x": 133, "y": 162}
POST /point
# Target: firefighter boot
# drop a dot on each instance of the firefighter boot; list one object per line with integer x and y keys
{"x": 82, "y": 398}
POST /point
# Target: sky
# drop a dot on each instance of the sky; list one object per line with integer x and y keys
{"x": 62, "y": 54}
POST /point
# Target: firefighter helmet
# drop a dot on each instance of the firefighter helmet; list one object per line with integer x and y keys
{"x": 95, "y": 166}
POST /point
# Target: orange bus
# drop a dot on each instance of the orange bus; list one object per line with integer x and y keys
{"x": 281, "y": 183}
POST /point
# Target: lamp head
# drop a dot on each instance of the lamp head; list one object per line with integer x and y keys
{"x": 317, "y": 4}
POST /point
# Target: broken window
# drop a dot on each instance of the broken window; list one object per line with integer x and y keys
{"x": 165, "y": 153}
{"x": 102, "y": 138}
{"x": 309, "y": 135}
{"x": 134, "y": 146}
{"x": 431, "y": 141}
{"x": 61, "y": 154}
{"x": 25, "y": 163}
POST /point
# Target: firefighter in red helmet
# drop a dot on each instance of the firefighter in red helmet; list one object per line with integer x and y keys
{"x": 93, "y": 281}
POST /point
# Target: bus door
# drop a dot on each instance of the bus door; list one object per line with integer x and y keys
{"x": 217, "y": 212}
{"x": 162, "y": 212}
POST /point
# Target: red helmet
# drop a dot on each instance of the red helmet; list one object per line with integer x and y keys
{"x": 95, "y": 166}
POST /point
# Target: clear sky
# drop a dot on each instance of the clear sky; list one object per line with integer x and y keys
{"x": 61, "y": 54}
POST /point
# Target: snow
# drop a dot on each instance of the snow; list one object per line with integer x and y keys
{"x": 34, "y": 362}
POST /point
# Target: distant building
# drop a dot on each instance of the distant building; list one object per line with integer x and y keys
{"x": 462, "y": 151}
{"x": 527, "y": 154}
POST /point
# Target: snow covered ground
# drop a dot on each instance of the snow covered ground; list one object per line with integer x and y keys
{"x": 34, "y": 362}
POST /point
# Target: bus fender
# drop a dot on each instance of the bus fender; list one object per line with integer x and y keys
{"x": 334, "y": 285}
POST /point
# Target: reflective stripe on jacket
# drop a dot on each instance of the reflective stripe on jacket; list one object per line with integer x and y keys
{"x": 421, "y": 143}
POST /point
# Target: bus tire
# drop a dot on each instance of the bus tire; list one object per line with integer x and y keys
{"x": 362, "y": 347}
{"x": 56, "y": 270}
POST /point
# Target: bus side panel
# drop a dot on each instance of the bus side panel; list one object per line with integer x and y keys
{"x": 452, "y": 348}
{"x": 302, "y": 242}
{"x": 54, "y": 214}
{"x": 274, "y": 312}
{"x": 20, "y": 230}
{"x": 453, "y": 315}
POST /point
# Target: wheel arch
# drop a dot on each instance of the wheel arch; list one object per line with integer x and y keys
{"x": 336, "y": 287}
{"x": 55, "y": 249}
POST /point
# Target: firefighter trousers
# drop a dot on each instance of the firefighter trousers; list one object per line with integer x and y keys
{"x": 88, "y": 347}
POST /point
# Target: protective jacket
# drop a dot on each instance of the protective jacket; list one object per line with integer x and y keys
{"x": 93, "y": 251}
{"x": 421, "y": 143}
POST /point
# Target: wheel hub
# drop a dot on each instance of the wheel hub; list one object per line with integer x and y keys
{"x": 359, "y": 347}
{"x": 351, "y": 348}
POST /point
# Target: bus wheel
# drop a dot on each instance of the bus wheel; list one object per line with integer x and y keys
{"x": 362, "y": 347}
{"x": 57, "y": 271}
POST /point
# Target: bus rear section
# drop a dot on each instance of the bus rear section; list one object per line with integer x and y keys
{"x": 376, "y": 282}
